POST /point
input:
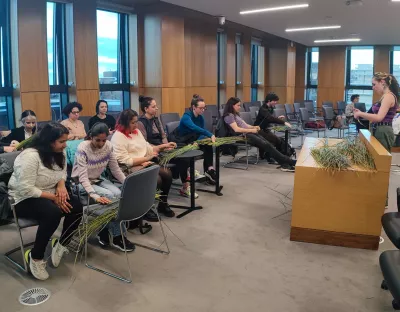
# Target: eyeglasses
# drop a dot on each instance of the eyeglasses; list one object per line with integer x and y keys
{"x": 202, "y": 108}
{"x": 75, "y": 112}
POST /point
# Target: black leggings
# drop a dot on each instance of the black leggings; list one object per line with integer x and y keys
{"x": 49, "y": 215}
{"x": 164, "y": 182}
{"x": 208, "y": 156}
{"x": 260, "y": 142}
{"x": 181, "y": 169}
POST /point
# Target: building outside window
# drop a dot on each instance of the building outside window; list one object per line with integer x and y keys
{"x": 395, "y": 62}
{"x": 112, "y": 42}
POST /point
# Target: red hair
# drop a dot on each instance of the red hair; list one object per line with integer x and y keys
{"x": 124, "y": 120}
{"x": 126, "y": 131}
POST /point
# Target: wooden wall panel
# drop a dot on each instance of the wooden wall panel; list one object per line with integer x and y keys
{"x": 39, "y": 102}
{"x": 173, "y": 52}
{"x": 32, "y": 45}
{"x": 230, "y": 92}
{"x": 290, "y": 74}
{"x": 88, "y": 99}
{"x": 246, "y": 62}
{"x": 230, "y": 63}
{"x": 173, "y": 100}
{"x": 277, "y": 73}
{"x": 246, "y": 95}
{"x": 331, "y": 74}
{"x": 381, "y": 63}
{"x": 85, "y": 41}
{"x": 209, "y": 94}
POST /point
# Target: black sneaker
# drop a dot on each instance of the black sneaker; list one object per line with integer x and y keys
{"x": 119, "y": 244}
{"x": 287, "y": 168}
{"x": 166, "y": 210}
{"x": 150, "y": 216}
{"x": 104, "y": 238}
{"x": 211, "y": 175}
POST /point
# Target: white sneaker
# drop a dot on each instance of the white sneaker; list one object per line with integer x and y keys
{"x": 197, "y": 175}
{"x": 37, "y": 268}
{"x": 185, "y": 192}
{"x": 57, "y": 252}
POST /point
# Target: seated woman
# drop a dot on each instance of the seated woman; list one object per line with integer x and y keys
{"x": 232, "y": 118}
{"x": 38, "y": 187}
{"x": 91, "y": 159}
{"x": 101, "y": 116}
{"x": 153, "y": 132}
{"x": 133, "y": 152}
{"x": 17, "y": 135}
{"x": 74, "y": 125}
{"x": 191, "y": 128}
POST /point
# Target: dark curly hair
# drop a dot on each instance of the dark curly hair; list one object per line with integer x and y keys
{"x": 145, "y": 102}
{"x": 70, "y": 106}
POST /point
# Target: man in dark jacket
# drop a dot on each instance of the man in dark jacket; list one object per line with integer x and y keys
{"x": 265, "y": 118}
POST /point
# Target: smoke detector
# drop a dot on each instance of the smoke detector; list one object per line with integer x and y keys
{"x": 354, "y": 2}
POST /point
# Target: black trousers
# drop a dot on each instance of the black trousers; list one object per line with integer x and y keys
{"x": 180, "y": 169}
{"x": 164, "y": 182}
{"x": 259, "y": 141}
{"x": 49, "y": 215}
{"x": 208, "y": 156}
{"x": 271, "y": 138}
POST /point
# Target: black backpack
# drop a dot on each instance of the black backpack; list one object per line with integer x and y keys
{"x": 224, "y": 130}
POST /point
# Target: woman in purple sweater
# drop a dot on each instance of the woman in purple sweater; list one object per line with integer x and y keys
{"x": 91, "y": 159}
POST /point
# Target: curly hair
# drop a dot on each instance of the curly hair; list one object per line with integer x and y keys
{"x": 390, "y": 81}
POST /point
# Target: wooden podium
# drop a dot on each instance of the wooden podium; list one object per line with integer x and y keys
{"x": 341, "y": 208}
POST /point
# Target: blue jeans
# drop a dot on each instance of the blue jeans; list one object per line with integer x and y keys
{"x": 107, "y": 189}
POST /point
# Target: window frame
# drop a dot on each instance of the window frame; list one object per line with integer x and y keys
{"x": 123, "y": 63}
{"x": 309, "y": 85}
{"x": 6, "y": 86}
{"x": 254, "y": 69}
{"x": 391, "y": 58}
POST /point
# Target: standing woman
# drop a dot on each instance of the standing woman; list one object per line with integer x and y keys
{"x": 384, "y": 110}
{"x": 17, "y": 135}
{"x": 191, "y": 128}
{"x": 38, "y": 188}
{"x": 73, "y": 124}
{"x": 135, "y": 153}
{"x": 101, "y": 116}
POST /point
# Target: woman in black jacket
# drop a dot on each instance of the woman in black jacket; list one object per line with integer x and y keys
{"x": 17, "y": 135}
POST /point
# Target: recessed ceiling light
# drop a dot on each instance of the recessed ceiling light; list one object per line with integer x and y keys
{"x": 313, "y": 28}
{"x": 280, "y": 8}
{"x": 395, "y": 0}
{"x": 338, "y": 40}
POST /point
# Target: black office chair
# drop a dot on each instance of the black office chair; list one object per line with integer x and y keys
{"x": 169, "y": 117}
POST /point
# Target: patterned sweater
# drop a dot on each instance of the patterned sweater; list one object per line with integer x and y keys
{"x": 30, "y": 177}
{"x": 90, "y": 164}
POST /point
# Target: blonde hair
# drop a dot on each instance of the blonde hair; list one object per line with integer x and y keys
{"x": 390, "y": 81}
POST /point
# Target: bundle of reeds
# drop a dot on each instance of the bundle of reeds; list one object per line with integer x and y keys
{"x": 343, "y": 155}
{"x": 169, "y": 155}
{"x": 284, "y": 128}
{"x": 24, "y": 143}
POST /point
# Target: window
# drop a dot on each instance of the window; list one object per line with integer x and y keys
{"x": 395, "y": 62}
{"x": 56, "y": 55}
{"x": 6, "y": 90}
{"x": 239, "y": 66}
{"x": 257, "y": 70}
{"x": 112, "y": 42}
{"x": 359, "y": 72}
{"x": 221, "y": 74}
{"x": 312, "y": 74}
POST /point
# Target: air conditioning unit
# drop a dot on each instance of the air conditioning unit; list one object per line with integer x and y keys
{"x": 354, "y": 2}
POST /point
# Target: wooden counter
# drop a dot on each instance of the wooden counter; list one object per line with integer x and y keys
{"x": 344, "y": 208}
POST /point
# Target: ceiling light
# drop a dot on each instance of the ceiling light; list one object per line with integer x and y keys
{"x": 286, "y": 7}
{"x": 338, "y": 40}
{"x": 395, "y": 0}
{"x": 313, "y": 28}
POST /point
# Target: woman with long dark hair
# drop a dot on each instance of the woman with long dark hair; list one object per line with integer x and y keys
{"x": 38, "y": 188}
{"x": 91, "y": 159}
{"x": 384, "y": 110}
{"x": 232, "y": 118}
{"x": 102, "y": 116}
{"x": 135, "y": 153}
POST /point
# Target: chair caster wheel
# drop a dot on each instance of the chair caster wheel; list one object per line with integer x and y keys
{"x": 384, "y": 285}
{"x": 395, "y": 305}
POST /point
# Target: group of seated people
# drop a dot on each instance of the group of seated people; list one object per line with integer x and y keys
{"x": 38, "y": 181}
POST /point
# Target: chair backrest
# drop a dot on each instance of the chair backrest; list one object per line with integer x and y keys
{"x": 138, "y": 193}
{"x": 246, "y": 116}
{"x": 306, "y": 101}
{"x": 208, "y": 121}
{"x": 289, "y": 109}
{"x": 254, "y": 112}
{"x": 297, "y": 107}
{"x": 280, "y": 106}
{"x": 221, "y": 112}
{"x": 327, "y": 103}
{"x": 247, "y": 105}
{"x": 279, "y": 112}
{"x": 41, "y": 124}
{"x": 341, "y": 105}
{"x": 114, "y": 114}
{"x": 327, "y": 112}
{"x": 169, "y": 117}
{"x": 213, "y": 110}
{"x": 304, "y": 116}
{"x": 10, "y": 157}
{"x": 85, "y": 120}
{"x": 310, "y": 107}
{"x": 360, "y": 106}
{"x": 171, "y": 126}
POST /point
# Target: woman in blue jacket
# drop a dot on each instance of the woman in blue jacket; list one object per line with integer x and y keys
{"x": 191, "y": 128}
